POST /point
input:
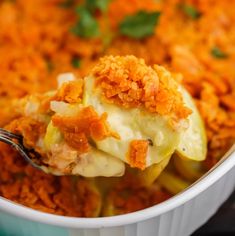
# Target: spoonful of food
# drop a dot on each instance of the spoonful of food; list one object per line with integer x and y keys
{"x": 125, "y": 113}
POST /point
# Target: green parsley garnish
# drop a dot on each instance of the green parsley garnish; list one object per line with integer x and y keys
{"x": 190, "y": 11}
{"x": 101, "y": 5}
{"x": 76, "y": 62}
{"x": 140, "y": 25}
{"x": 217, "y": 53}
{"x": 87, "y": 26}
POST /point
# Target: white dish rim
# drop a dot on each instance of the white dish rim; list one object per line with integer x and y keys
{"x": 76, "y": 222}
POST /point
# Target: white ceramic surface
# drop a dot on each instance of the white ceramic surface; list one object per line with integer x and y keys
{"x": 178, "y": 216}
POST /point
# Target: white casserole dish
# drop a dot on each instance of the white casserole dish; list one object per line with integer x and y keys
{"x": 178, "y": 216}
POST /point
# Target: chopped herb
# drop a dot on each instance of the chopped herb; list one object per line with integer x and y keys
{"x": 101, "y": 5}
{"x": 217, "y": 53}
{"x": 76, "y": 62}
{"x": 140, "y": 25}
{"x": 87, "y": 26}
{"x": 190, "y": 11}
{"x": 67, "y": 3}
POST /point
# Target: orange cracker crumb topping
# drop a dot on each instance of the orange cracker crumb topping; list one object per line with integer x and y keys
{"x": 78, "y": 129}
{"x": 127, "y": 81}
{"x": 70, "y": 92}
{"x": 137, "y": 153}
{"x": 29, "y": 128}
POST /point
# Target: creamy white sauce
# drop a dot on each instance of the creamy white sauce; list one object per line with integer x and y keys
{"x": 111, "y": 153}
{"x": 97, "y": 163}
{"x": 132, "y": 124}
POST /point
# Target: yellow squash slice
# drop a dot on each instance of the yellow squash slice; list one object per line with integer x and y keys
{"x": 193, "y": 141}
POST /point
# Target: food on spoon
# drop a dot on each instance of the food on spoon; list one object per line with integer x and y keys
{"x": 123, "y": 113}
{"x": 143, "y": 106}
{"x": 193, "y": 142}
